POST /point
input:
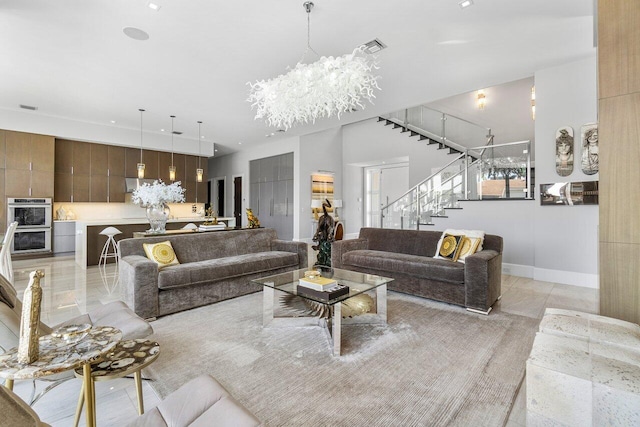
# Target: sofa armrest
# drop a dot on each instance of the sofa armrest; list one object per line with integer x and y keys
{"x": 139, "y": 279}
{"x": 482, "y": 279}
{"x": 296, "y": 247}
{"x": 341, "y": 247}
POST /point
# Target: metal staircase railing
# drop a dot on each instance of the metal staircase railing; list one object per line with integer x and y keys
{"x": 491, "y": 171}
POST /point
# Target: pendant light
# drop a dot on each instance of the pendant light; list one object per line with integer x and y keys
{"x": 199, "y": 171}
{"x": 172, "y": 168}
{"x": 140, "y": 165}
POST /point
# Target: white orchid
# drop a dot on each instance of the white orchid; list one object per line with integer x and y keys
{"x": 158, "y": 193}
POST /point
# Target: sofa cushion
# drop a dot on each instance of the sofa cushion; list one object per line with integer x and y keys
{"x": 223, "y": 268}
{"x": 419, "y": 266}
{"x": 161, "y": 253}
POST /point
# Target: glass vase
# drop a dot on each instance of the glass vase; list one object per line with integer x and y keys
{"x": 158, "y": 216}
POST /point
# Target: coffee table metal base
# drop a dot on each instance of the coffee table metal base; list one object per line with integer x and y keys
{"x": 332, "y": 326}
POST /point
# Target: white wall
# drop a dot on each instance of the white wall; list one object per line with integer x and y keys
{"x": 321, "y": 151}
{"x": 566, "y": 237}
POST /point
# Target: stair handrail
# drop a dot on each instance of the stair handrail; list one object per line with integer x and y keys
{"x": 424, "y": 180}
{"x": 467, "y": 165}
{"x": 441, "y": 139}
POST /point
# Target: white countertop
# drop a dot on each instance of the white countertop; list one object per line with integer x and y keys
{"x": 116, "y": 221}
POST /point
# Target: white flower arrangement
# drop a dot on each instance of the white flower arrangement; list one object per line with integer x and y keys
{"x": 158, "y": 193}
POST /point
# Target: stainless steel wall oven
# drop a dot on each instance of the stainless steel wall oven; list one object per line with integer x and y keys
{"x": 34, "y": 224}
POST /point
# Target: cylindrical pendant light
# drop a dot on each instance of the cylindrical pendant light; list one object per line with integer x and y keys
{"x": 199, "y": 171}
{"x": 140, "y": 166}
{"x": 172, "y": 168}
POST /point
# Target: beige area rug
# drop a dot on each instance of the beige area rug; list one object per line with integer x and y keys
{"x": 432, "y": 365}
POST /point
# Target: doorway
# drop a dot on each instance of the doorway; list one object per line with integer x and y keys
{"x": 383, "y": 185}
{"x": 237, "y": 200}
{"x": 217, "y": 204}
{"x": 220, "y": 197}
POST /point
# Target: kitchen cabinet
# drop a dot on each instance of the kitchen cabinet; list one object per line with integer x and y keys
{"x": 29, "y": 164}
{"x": 64, "y": 236}
{"x": 99, "y": 173}
{"x": 271, "y": 193}
{"x": 116, "y": 182}
{"x": 72, "y": 171}
{"x": 87, "y": 172}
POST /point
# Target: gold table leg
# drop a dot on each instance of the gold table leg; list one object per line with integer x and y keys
{"x": 8, "y": 383}
{"x": 138, "y": 377}
{"x": 88, "y": 394}
{"x": 76, "y": 419}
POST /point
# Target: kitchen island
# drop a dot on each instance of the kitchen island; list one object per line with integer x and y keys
{"x": 89, "y": 241}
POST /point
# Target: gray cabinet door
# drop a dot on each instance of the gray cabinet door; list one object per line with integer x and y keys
{"x": 265, "y": 204}
{"x": 271, "y": 193}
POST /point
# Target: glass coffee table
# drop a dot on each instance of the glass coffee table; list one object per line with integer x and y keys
{"x": 358, "y": 284}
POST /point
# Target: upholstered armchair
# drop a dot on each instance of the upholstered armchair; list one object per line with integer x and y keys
{"x": 116, "y": 314}
{"x": 202, "y": 402}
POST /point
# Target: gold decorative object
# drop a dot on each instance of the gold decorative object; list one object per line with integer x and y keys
{"x": 210, "y": 218}
{"x": 252, "y": 219}
{"x": 28, "y": 347}
{"x": 352, "y": 307}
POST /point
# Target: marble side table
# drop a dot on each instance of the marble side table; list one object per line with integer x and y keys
{"x": 127, "y": 357}
{"x": 59, "y": 355}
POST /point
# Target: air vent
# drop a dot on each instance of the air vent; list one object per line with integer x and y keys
{"x": 177, "y": 132}
{"x": 374, "y": 46}
{"x": 28, "y": 107}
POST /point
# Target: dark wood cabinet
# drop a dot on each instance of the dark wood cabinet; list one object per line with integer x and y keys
{"x": 87, "y": 172}
{"x": 97, "y": 164}
{"x": 29, "y": 161}
{"x": 99, "y": 190}
{"x": 150, "y": 160}
{"x": 116, "y": 160}
{"x": 132, "y": 158}
{"x": 164, "y": 161}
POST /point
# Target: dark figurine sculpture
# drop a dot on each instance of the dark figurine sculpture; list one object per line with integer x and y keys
{"x": 324, "y": 236}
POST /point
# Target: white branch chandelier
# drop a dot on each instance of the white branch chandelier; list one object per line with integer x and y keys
{"x": 330, "y": 86}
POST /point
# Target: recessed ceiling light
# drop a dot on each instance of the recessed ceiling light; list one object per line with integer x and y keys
{"x": 153, "y": 5}
{"x": 161, "y": 130}
{"x": 465, "y": 3}
{"x": 239, "y": 143}
{"x": 113, "y": 121}
{"x": 135, "y": 33}
{"x": 202, "y": 137}
{"x": 215, "y": 149}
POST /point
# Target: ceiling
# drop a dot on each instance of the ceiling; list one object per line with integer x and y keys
{"x": 71, "y": 59}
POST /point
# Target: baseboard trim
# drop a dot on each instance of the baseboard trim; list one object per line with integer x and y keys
{"x": 555, "y": 276}
{"x": 567, "y": 277}
{"x": 518, "y": 270}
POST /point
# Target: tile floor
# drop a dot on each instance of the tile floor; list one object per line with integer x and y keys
{"x": 69, "y": 290}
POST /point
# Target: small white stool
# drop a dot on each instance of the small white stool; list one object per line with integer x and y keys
{"x": 110, "y": 248}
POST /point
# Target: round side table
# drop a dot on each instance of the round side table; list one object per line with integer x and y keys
{"x": 127, "y": 357}
{"x": 59, "y": 355}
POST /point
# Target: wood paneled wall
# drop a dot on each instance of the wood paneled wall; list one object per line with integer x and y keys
{"x": 619, "y": 137}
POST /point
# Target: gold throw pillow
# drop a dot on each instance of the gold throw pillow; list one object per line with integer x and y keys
{"x": 161, "y": 253}
{"x": 450, "y": 247}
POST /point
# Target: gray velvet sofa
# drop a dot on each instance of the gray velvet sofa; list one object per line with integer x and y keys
{"x": 214, "y": 266}
{"x": 407, "y": 257}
